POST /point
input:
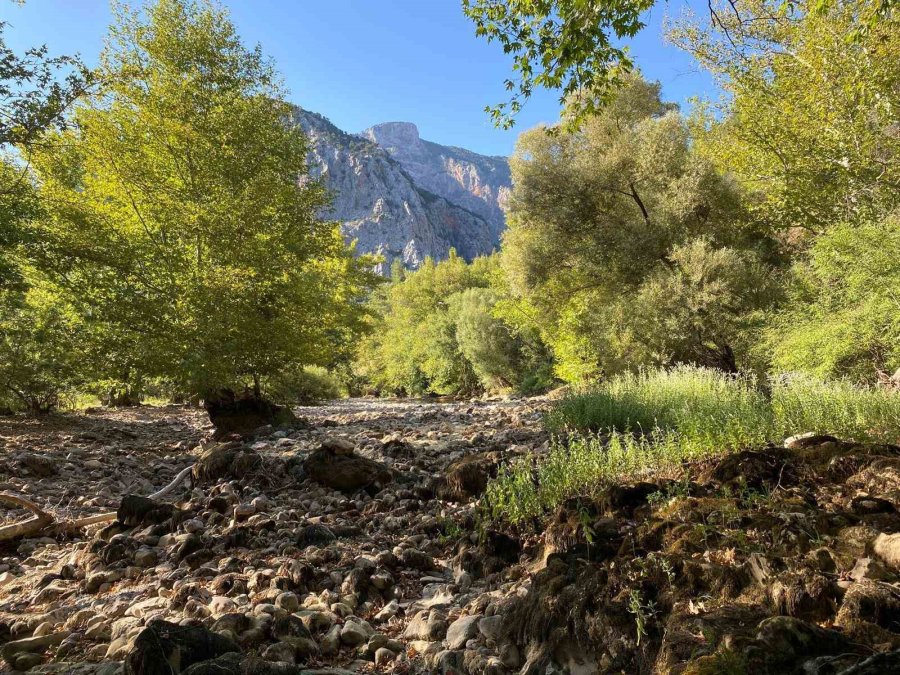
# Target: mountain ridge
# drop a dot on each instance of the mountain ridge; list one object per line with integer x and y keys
{"x": 403, "y": 197}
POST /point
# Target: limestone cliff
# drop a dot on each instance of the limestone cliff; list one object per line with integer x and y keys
{"x": 406, "y": 198}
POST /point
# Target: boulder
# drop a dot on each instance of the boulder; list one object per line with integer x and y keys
{"x": 244, "y": 413}
{"x": 467, "y": 478}
{"x": 163, "y": 648}
{"x": 461, "y": 631}
{"x": 345, "y": 472}
{"x": 135, "y": 511}
{"x": 38, "y": 465}
{"x": 224, "y": 460}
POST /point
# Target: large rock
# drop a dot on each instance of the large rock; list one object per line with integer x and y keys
{"x": 38, "y": 465}
{"x": 135, "y": 510}
{"x": 164, "y": 648}
{"x": 244, "y": 413}
{"x": 467, "y": 478}
{"x": 224, "y": 460}
{"x": 461, "y": 631}
{"x": 345, "y": 471}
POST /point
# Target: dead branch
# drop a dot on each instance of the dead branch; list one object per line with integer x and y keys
{"x": 43, "y": 521}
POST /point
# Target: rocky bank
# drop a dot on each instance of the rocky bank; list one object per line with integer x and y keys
{"x": 353, "y": 542}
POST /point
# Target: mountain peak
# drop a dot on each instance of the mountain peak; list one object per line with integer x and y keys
{"x": 393, "y": 134}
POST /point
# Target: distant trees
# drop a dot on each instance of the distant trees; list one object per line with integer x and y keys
{"x": 439, "y": 331}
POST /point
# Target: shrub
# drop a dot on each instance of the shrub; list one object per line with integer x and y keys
{"x": 638, "y": 423}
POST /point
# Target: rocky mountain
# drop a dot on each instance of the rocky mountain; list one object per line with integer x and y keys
{"x": 406, "y": 198}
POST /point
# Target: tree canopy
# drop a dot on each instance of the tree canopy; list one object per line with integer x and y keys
{"x": 180, "y": 215}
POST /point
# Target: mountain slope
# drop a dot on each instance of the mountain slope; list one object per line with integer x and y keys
{"x": 405, "y": 198}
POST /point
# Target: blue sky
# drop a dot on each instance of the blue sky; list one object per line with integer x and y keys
{"x": 360, "y": 62}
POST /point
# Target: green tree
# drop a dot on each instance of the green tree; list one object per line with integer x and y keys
{"x": 485, "y": 341}
{"x": 180, "y": 212}
{"x": 609, "y": 222}
{"x": 810, "y": 123}
{"x": 844, "y": 314}
{"x": 576, "y": 46}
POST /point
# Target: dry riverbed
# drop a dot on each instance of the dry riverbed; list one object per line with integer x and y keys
{"x": 352, "y": 542}
{"x": 354, "y": 567}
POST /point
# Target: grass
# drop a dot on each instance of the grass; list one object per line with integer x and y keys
{"x": 640, "y": 423}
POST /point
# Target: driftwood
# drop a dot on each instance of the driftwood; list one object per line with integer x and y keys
{"x": 43, "y": 521}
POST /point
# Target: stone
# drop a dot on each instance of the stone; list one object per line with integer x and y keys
{"x": 353, "y": 634}
{"x": 331, "y": 643}
{"x": 162, "y": 641}
{"x": 491, "y": 627}
{"x": 461, "y": 631}
{"x": 40, "y": 466}
{"x": 288, "y": 601}
{"x": 280, "y": 651}
{"x": 145, "y": 557}
{"x": 347, "y": 473}
{"x": 886, "y": 547}
{"x": 416, "y": 560}
{"x": 383, "y": 656}
{"x": 388, "y": 611}
{"x": 427, "y": 625}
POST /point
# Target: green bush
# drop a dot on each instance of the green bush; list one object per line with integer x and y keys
{"x": 657, "y": 419}
{"x": 711, "y": 408}
{"x": 304, "y": 386}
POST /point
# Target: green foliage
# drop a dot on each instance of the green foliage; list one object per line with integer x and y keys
{"x": 175, "y": 216}
{"x": 569, "y": 46}
{"x": 843, "y": 318}
{"x": 625, "y": 248}
{"x": 803, "y": 403}
{"x": 809, "y": 124}
{"x": 41, "y": 348}
{"x": 304, "y": 386}
{"x": 658, "y": 419}
{"x": 439, "y": 332}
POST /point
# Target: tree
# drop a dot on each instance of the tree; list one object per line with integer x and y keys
{"x": 608, "y": 223}
{"x": 486, "y": 342}
{"x": 181, "y": 216}
{"x": 844, "y": 315}
{"x": 575, "y": 46}
{"x": 810, "y": 123}
{"x": 36, "y": 90}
